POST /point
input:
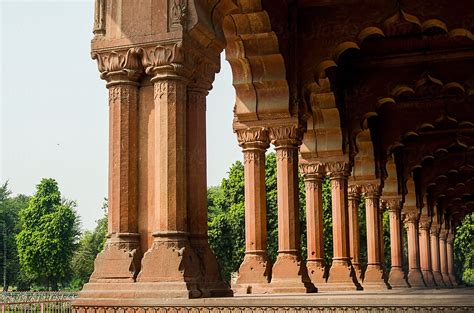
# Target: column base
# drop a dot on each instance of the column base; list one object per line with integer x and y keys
{"x": 438, "y": 278}
{"x": 211, "y": 283}
{"x": 170, "y": 267}
{"x": 447, "y": 281}
{"x": 428, "y": 278}
{"x": 342, "y": 277}
{"x": 290, "y": 275}
{"x": 415, "y": 278}
{"x": 397, "y": 278}
{"x": 119, "y": 261}
{"x": 316, "y": 273}
{"x": 374, "y": 278}
{"x": 254, "y": 274}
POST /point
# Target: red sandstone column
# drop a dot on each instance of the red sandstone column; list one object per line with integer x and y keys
{"x": 354, "y": 241}
{"x": 374, "y": 275}
{"x": 341, "y": 275}
{"x": 120, "y": 259}
{"x": 415, "y": 277}
{"x": 435, "y": 260}
{"x": 443, "y": 256}
{"x": 450, "y": 257}
{"x": 255, "y": 270}
{"x": 397, "y": 278}
{"x": 171, "y": 267}
{"x": 289, "y": 273}
{"x": 381, "y": 241}
{"x": 425, "y": 250}
{"x": 313, "y": 174}
{"x": 211, "y": 283}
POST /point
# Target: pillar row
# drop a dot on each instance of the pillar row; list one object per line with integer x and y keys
{"x": 397, "y": 276}
{"x": 374, "y": 277}
{"x": 289, "y": 274}
{"x": 255, "y": 270}
{"x": 313, "y": 174}
{"x": 341, "y": 274}
{"x": 415, "y": 277}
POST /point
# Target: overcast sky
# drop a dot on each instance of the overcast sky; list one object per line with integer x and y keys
{"x": 54, "y": 110}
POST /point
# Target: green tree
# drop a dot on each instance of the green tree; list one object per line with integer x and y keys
{"x": 90, "y": 244}
{"x": 49, "y": 231}
{"x": 9, "y": 228}
{"x": 464, "y": 250}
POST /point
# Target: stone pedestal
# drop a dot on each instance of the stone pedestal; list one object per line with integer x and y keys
{"x": 313, "y": 173}
{"x": 289, "y": 273}
{"x": 435, "y": 260}
{"x": 415, "y": 277}
{"x": 425, "y": 251}
{"x": 397, "y": 277}
{"x": 354, "y": 241}
{"x": 374, "y": 277}
{"x": 341, "y": 274}
{"x": 255, "y": 270}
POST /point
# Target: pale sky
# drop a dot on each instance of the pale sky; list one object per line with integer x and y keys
{"x": 54, "y": 110}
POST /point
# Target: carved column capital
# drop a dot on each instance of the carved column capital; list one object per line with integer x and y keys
{"x": 255, "y": 138}
{"x": 371, "y": 190}
{"x": 434, "y": 229}
{"x": 287, "y": 136}
{"x": 353, "y": 192}
{"x": 393, "y": 205}
{"x": 119, "y": 67}
{"x": 338, "y": 169}
{"x": 424, "y": 223}
{"x": 443, "y": 234}
{"x": 411, "y": 217}
{"x": 449, "y": 238}
{"x": 165, "y": 61}
{"x": 312, "y": 171}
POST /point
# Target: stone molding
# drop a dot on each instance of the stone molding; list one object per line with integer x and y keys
{"x": 99, "y": 17}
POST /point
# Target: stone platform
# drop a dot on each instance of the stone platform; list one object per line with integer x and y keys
{"x": 432, "y": 300}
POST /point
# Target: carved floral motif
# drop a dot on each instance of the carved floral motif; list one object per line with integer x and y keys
{"x": 286, "y": 135}
{"x": 252, "y": 135}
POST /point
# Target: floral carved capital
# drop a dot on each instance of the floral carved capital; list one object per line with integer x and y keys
{"x": 286, "y": 135}
{"x": 393, "y": 205}
{"x": 253, "y": 137}
{"x": 164, "y": 60}
{"x": 353, "y": 192}
{"x": 424, "y": 222}
{"x": 338, "y": 169}
{"x": 119, "y": 66}
{"x": 371, "y": 190}
{"x": 313, "y": 170}
{"x": 411, "y": 217}
{"x": 434, "y": 229}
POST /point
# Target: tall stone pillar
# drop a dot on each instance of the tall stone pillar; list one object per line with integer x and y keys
{"x": 313, "y": 174}
{"x": 435, "y": 259}
{"x": 425, "y": 250}
{"x": 120, "y": 259}
{"x": 170, "y": 267}
{"x": 289, "y": 274}
{"x": 211, "y": 283}
{"x": 397, "y": 277}
{"x": 415, "y": 277}
{"x": 382, "y": 239}
{"x": 374, "y": 274}
{"x": 443, "y": 257}
{"x": 354, "y": 238}
{"x": 255, "y": 270}
{"x": 341, "y": 274}
{"x": 450, "y": 257}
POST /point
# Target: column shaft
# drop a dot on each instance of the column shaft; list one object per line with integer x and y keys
{"x": 415, "y": 277}
{"x": 289, "y": 272}
{"x": 211, "y": 283}
{"x": 354, "y": 238}
{"x": 397, "y": 277}
{"x": 435, "y": 260}
{"x": 255, "y": 270}
{"x": 374, "y": 275}
{"x": 443, "y": 257}
{"x": 450, "y": 257}
{"x": 313, "y": 174}
{"x": 425, "y": 251}
{"x": 341, "y": 275}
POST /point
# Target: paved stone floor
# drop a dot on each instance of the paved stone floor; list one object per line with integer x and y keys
{"x": 412, "y": 300}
